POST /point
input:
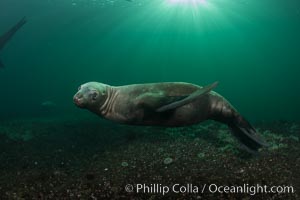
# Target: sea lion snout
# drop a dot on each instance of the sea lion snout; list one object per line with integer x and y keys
{"x": 77, "y": 99}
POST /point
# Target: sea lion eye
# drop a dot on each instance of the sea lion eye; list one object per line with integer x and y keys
{"x": 79, "y": 88}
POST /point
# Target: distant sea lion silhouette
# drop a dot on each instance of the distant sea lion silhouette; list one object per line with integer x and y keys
{"x": 170, "y": 104}
{"x": 9, "y": 34}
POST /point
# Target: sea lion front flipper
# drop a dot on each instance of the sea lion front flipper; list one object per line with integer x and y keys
{"x": 188, "y": 99}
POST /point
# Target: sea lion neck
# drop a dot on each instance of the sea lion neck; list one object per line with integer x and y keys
{"x": 111, "y": 94}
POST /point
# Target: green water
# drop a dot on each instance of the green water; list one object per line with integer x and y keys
{"x": 251, "y": 47}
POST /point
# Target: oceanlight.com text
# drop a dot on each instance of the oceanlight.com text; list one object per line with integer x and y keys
{"x": 211, "y": 188}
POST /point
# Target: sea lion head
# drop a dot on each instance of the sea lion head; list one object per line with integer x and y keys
{"x": 90, "y": 95}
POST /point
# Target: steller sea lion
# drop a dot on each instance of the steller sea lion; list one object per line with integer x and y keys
{"x": 169, "y": 104}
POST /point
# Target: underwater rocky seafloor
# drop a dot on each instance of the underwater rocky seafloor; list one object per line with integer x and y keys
{"x": 95, "y": 159}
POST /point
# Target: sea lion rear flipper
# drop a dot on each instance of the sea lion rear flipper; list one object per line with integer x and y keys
{"x": 188, "y": 99}
{"x": 247, "y": 135}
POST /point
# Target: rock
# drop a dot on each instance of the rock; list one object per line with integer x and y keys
{"x": 124, "y": 164}
{"x": 168, "y": 161}
{"x": 201, "y": 155}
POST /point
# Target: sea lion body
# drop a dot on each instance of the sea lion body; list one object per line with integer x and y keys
{"x": 170, "y": 104}
{"x": 136, "y": 104}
